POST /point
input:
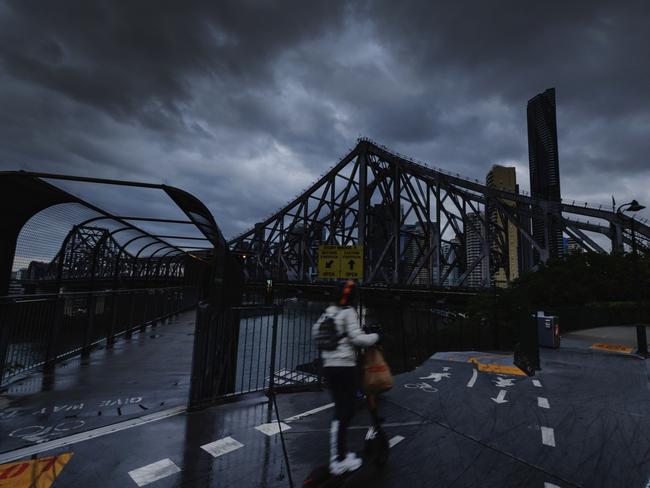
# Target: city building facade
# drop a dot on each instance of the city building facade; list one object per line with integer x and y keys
{"x": 545, "y": 172}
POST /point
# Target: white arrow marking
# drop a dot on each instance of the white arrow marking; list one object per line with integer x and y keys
{"x": 472, "y": 380}
{"x": 501, "y": 397}
{"x": 543, "y": 402}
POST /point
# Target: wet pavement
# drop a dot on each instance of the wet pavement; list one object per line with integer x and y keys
{"x": 138, "y": 376}
{"x": 582, "y": 421}
{"x": 621, "y": 339}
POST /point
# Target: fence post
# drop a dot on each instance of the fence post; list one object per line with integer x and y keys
{"x": 5, "y": 322}
{"x": 110, "y": 336}
{"x": 274, "y": 346}
{"x": 88, "y": 330}
{"x": 129, "y": 326}
{"x": 53, "y": 333}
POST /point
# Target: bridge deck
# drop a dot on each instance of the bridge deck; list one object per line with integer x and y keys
{"x": 583, "y": 421}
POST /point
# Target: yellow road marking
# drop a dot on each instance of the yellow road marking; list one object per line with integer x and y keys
{"x": 497, "y": 368}
{"x": 613, "y": 347}
{"x": 34, "y": 473}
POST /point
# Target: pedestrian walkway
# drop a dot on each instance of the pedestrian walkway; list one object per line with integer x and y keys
{"x": 145, "y": 374}
{"x": 582, "y": 421}
{"x": 619, "y": 339}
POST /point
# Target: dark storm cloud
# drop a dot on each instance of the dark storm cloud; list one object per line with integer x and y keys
{"x": 245, "y": 103}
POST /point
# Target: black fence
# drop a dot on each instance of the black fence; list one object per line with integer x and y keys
{"x": 271, "y": 346}
{"x": 40, "y": 329}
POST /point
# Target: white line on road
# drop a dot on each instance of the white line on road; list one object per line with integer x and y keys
{"x": 543, "y": 402}
{"x": 272, "y": 428}
{"x": 222, "y": 446}
{"x": 153, "y": 472}
{"x": 537, "y": 383}
{"x": 395, "y": 440}
{"x": 548, "y": 436}
{"x": 550, "y": 485}
{"x": 472, "y": 380}
{"x": 89, "y": 434}
{"x": 309, "y": 412}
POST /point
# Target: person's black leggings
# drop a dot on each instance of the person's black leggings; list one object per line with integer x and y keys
{"x": 342, "y": 382}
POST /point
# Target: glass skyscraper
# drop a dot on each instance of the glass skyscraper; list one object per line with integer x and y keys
{"x": 545, "y": 172}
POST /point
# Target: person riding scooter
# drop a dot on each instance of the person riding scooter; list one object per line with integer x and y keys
{"x": 340, "y": 371}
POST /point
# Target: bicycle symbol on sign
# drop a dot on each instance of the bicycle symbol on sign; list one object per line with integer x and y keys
{"x": 422, "y": 386}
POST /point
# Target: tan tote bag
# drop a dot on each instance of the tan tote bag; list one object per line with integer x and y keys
{"x": 376, "y": 373}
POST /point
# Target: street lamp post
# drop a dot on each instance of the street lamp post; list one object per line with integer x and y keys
{"x": 641, "y": 338}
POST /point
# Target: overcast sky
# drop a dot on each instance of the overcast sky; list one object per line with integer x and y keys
{"x": 245, "y": 103}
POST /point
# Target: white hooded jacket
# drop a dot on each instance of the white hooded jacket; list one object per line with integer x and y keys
{"x": 346, "y": 319}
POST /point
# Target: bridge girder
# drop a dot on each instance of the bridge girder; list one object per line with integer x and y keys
{"x": 418, "y": 225}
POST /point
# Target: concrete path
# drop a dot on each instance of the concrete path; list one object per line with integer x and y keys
{"x": 584, "y": 421}
{"x": 138, "y": 376}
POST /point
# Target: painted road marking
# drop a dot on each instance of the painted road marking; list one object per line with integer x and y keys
{"x": 613, "y": 348}
{"x": 548, "y": 436}
{"x": 543, "y": 402}
{"x": 309, "y": 412}
{"x": 395, "y": 440}
{"x": 472, "y": 380}
{"x": 222, "y": 446}
{"x": 503, "y": 382}
{"x": 550, "y": 485}
{"x": 537, "y": 383}
{"x": 436, "y": 377}
{"x": 272, "y": 428}
{"x": 89, "y": 434}
{"x": 497, "y": 368}
{"x": 35, "y": 473}
{"x": 153, "y": 472}
{"x": 501, "y": 397}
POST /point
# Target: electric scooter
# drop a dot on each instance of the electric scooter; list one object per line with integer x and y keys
{"x": 374, "y": 455}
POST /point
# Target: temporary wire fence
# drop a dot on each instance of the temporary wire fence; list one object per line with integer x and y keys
{"x": 41, "y": 329}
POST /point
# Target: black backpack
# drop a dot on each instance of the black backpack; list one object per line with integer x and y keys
{"x": 327, "y": 337}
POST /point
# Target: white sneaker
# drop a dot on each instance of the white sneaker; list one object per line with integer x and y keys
{"x": 350, "y": 463}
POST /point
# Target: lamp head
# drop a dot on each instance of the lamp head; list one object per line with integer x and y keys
{"x": 634, "y": 207}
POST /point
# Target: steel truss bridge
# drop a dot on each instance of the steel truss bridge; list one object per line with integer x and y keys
{"x": 420, "y": 225}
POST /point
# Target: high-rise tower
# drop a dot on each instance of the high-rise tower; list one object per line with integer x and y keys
{"x": 505, "y": 178}
{"x": 545, "y": 172}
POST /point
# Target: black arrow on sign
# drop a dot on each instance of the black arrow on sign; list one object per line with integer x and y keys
{"x": 351, "y": 264}
{"x": 328, "y": 264}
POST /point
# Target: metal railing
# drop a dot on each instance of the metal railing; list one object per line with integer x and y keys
{"x": 38, "y": 330}
{"x": 275, "y": 348}
{"x": 271, "y": 347}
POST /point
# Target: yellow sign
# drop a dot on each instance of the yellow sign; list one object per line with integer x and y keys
{"x": 35, "y": 473}
{"x": 340, "y": 262}
{"x": 329, "y": 263}
{"x": 351, "y": 262}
